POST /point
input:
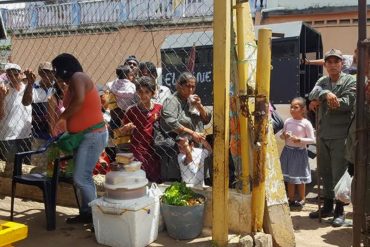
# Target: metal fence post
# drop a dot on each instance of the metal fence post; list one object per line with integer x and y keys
{"x": 221, "y": 77}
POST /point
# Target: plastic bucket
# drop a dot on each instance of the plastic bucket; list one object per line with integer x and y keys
{"x": 183, "y": 222}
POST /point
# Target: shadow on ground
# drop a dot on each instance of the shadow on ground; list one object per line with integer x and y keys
{"x": 339, "y": 237}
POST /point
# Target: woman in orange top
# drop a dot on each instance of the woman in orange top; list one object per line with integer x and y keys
{"x": 82, "y": 111}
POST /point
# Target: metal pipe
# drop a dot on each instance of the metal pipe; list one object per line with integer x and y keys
{"x": 221, "y": 105}
{"x": 261, "y": 127}
{"x": 361, "y": 131}
{"x": 244, "y": 37}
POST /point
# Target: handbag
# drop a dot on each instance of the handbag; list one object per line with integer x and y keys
{"x": 68, "y": 142}
{"x": 276, "y": 119}
{"x": 311, "y": 151}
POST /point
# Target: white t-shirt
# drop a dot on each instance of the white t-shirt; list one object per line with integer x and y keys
{"x": 39, "y": 94}
{"x": 16, "y": 123}
{"x": 40, "y": 97}
{"x": 124, "y": 91}
{"x": 193, "y": 173}
{"x": 162, "y": 94}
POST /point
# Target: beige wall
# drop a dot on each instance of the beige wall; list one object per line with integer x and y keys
{"x": 99, "y": 53}
{"x": 306, "y": 4}
{"x": 338, "y": 30}
{"x": 343, "y": 38}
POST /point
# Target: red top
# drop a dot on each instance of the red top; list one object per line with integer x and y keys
{"x": 142, "y": 138}
{"x": 88, "y": 115}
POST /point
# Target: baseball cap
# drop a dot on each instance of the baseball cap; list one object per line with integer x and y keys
{"x": 10, "y": 66}
{"x": 333, "y": 53}
{"x": 45, "y": 66}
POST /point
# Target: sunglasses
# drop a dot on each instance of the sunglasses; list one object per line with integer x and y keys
{"x": 132, "y": 63}
{"x": 12, "y": 72}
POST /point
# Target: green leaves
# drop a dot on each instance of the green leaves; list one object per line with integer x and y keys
{"x": 178, "y": 195}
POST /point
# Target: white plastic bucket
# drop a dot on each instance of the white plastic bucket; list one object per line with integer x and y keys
{"x": 132, "y": 223}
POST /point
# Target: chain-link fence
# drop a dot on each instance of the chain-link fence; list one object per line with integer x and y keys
{"x": 117, "y": 42}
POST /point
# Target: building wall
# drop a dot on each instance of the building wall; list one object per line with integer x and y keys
{"x": 338, "y": 30}
{"x": 289, "y": 4}
{"x": 98, "y": 53}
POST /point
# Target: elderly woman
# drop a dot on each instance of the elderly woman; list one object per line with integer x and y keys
{"x": 182, "y": 114}
{"x": 82, "y": 113}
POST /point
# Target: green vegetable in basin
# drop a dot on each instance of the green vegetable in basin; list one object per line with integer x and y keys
{"x": 180, "y": 195}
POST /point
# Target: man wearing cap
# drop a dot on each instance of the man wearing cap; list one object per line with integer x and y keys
{"x": 349, "y": 63}
{"x": 37, "y": 94}
{"x": 334, "y": 97}
{"x": 15, "y": 118}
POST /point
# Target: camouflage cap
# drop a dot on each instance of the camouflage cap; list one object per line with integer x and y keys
{"x": 45, "y": 66}
{"x": 333, "y": 53}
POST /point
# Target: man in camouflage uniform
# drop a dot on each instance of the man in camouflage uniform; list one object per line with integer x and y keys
{"x": 334, "y": 97}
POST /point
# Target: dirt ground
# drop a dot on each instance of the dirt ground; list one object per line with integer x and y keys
{"x": 308, "y": 232}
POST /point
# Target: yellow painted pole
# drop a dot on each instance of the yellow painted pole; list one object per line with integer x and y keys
{"x": 221, "y": 104}
{"x": 243, "y": 37}
{"x": 261, "y": 127}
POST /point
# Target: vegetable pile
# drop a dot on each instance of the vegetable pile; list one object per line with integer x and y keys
{"x": 180, "y": 195}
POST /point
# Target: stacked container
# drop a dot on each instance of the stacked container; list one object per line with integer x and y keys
{"x": 126, "y": 215}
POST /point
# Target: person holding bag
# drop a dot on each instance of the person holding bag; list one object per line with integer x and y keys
{"x": 82, "y": 115}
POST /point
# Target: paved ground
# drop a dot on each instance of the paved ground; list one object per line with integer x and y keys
{"x": 307, "y": 232}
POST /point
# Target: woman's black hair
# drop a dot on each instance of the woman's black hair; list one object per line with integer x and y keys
{"x": 65, "y": 65}
{"x": 123, "y": 71}
{"x": 147, "y": 82}
{"x": 185, "y": 77}
{"x": 150, "y": 67}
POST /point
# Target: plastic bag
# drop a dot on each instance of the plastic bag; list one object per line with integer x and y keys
{"x": 342, "y": 190}
{"x": 69, "y": 142}
{"x": 156, "y": 193}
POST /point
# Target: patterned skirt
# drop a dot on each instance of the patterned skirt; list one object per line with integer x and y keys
{"x": 295, "y": 166}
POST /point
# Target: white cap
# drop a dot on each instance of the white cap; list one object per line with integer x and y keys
{"x": 9, "y": 66}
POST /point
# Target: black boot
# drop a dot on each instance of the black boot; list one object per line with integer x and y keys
{"x": 326, "y": 210}
{"x": 80, "y": 219}
{"x": 339, "y": 217}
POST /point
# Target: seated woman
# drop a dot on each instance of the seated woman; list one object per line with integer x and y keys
{"x": 182, "y": 113}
